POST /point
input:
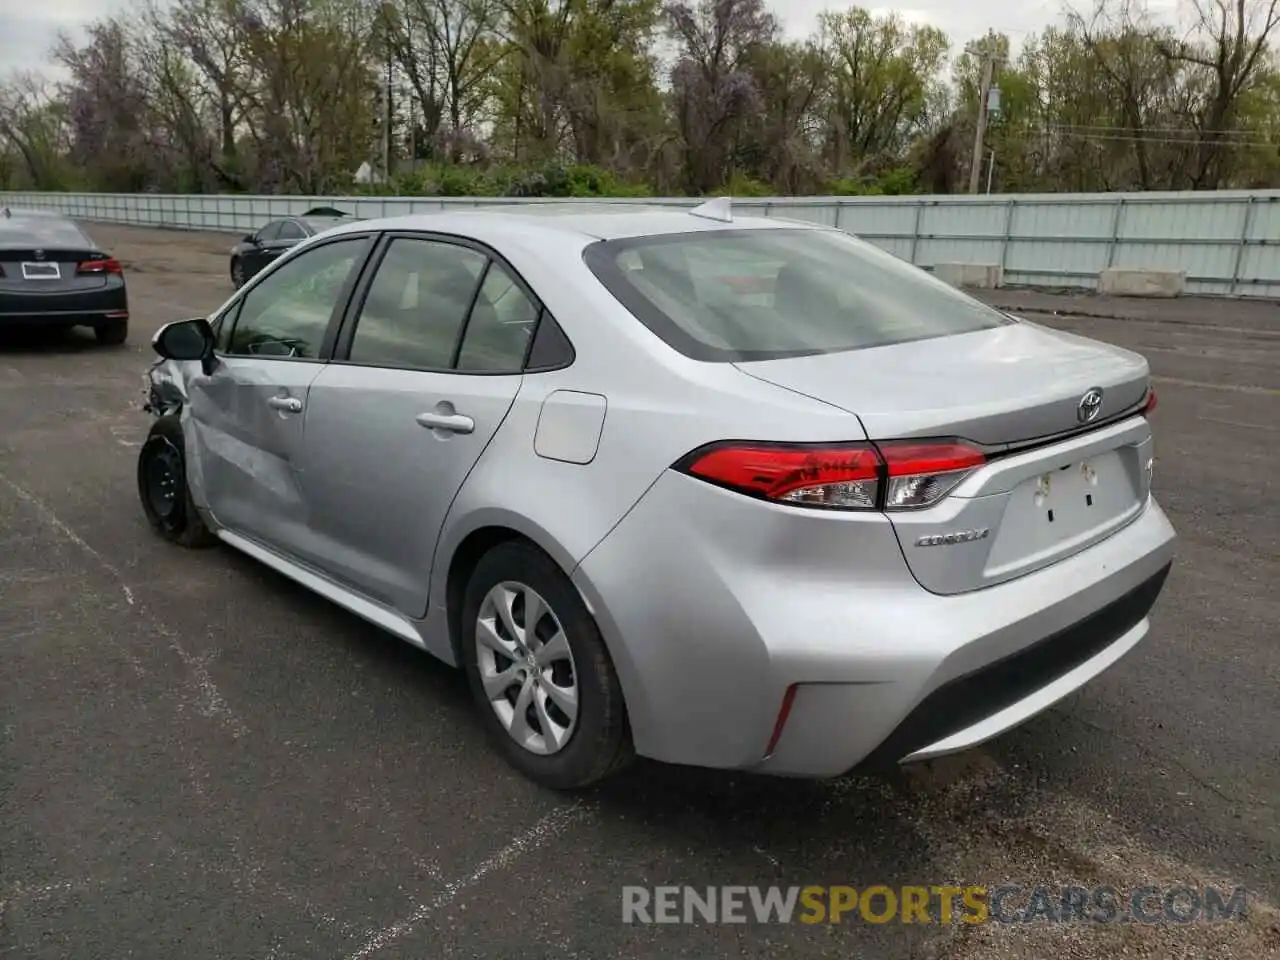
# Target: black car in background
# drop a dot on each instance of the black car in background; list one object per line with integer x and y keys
{"x": 52, "y": 275}
{"x": 259, "y": 248}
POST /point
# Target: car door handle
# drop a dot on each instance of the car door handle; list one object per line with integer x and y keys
{"x": 288, "y": 404}
{"x": 453, "y": 422}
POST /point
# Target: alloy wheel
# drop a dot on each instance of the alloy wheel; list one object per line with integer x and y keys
{"x": 526, "y": 668}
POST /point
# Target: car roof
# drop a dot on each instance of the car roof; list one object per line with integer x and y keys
{"x": 39, "y": 228}
{"x": 584, "y": 222}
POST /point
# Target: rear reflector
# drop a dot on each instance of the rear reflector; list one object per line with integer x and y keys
{"x": 892, "y": 475}
{"x": 1150, "y": 405}
{"x": 788, "y": 699}
{"x": 103, "y": 265}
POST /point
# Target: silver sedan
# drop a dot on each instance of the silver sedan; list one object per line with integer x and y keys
{"x": 738, "y": 493}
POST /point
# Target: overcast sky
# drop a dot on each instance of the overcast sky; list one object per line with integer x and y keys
{"x": 27, "y": 34}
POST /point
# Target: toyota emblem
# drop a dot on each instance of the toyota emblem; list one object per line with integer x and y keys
{"x": 1090, "y": 405}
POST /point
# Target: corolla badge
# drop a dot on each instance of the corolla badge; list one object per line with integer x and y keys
{"x": 1090, "y": 405}
{"x": 946, "y": 539}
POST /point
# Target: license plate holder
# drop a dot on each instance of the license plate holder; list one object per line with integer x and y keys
{"x": 41, "y": 271}
{"x": 1077, "y": 496}
{"x": 1063, "y": 506}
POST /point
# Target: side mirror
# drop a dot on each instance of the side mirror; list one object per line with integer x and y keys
{"x": 186, "y": 340}
{"x": 251, "y": 238}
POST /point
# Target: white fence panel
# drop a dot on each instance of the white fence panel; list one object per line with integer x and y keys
{"x": 1228, "y": 242}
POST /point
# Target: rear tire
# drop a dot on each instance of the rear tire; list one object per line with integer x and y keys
{"x": 162, "y": 487}
{"x": 596, "y": 742}
{"x": 111, "y": 332}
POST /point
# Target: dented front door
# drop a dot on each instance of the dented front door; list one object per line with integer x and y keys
{"x": 247, "y": 417}
{"x": 247, "y": 414}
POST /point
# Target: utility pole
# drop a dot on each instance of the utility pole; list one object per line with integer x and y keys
{"x": 984, "y": 91}
{"x": 386, "y": 143}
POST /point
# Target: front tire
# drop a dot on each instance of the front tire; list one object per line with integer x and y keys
{"x": 111, "y": 332}
{"x": 547, "y": 691}
{"x": 162, "y": 487}
{"x": 237, "y": 273}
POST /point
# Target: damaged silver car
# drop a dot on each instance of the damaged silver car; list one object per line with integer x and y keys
{"x": 720, "y": 491}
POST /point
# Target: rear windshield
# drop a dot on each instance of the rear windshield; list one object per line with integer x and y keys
{"x": 37, "y": 230}
{"x": 761, "y": 294}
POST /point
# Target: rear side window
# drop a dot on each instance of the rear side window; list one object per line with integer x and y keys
{"x": 738, "y": 295}
{"x": 501, "y": 323}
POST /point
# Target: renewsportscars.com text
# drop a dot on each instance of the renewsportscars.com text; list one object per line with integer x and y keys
{"x": 1008, "y": 903}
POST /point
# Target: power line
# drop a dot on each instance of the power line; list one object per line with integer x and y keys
{"x": 1131, "y": 138}
{"x": 1115, "y": 128}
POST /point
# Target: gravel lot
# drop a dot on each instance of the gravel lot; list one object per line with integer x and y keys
{"x": 202, "y": 760}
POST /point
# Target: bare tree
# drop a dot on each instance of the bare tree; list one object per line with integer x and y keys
{"x": 33, "y": 121}
{"x": 712, "y": 86}
{"x": 1229, "y": 40}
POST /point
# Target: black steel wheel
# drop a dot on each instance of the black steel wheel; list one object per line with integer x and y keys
{"x": 162, "y": 487}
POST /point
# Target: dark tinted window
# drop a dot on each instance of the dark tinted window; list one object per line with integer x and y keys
{"x": 287, "y": 312}
{"x": 757, "y": 294}
{"x": 291, "y": 231}
{"x": 551, "y": 348}
{"x": 416, "y": 305}
{"x": 270, "y": 232}
{"x": 501, "y": 323}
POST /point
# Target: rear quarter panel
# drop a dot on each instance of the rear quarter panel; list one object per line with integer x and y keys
{"x": 658, "y": 404}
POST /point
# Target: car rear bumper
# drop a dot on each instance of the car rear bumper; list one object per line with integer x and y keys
{"x": 715, "y": 606}
{"x": 72, "y": 309}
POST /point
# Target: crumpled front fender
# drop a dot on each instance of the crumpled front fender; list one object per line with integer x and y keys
{"x": 167, "y": 394}
{"x": 166, "y": 388}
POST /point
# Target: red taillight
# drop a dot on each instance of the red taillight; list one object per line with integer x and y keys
{"x": 105, "y": 265}
{"x": 892, "y": 475}
{"x": 1150, "y": 405}
{"x": 921, "y": 474}
{"x": 838, "y": 475}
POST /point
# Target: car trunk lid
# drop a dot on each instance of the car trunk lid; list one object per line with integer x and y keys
{"x": 1006, "y": 385}
{"x": 1060, "y": 475}
{"x": 34, "y": 270}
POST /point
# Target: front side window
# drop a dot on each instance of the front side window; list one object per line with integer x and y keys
{"x": 761, "y": 294}
{"x": 287, "y": 313}
{"x": 291, "y": 231}
{"x": 416, "y": 305}
{"x": 270, "y": 232}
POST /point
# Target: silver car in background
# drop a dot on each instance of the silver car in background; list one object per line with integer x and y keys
{"x": 737, "y": 493}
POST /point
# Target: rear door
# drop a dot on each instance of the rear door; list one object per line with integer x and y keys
{"x": 426, "y": 369}
{"x": 247, "y": 415}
